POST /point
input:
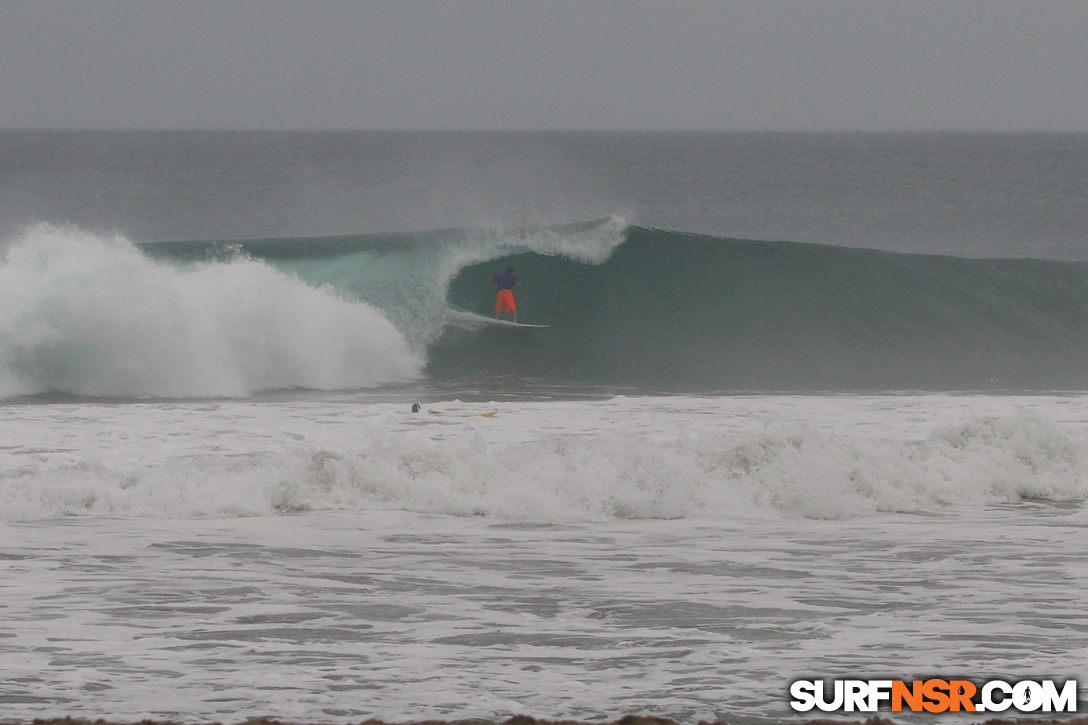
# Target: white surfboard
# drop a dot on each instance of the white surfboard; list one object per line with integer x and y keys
{"x": 489, "y": 414}
{"x": 472, "y": 321}
{"x": 511, "y": 323}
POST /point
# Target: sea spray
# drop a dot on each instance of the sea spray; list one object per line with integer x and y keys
{"x": 91, "y": 315}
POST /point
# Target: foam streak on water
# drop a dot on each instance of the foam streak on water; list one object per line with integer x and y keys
{"x": 405, "y": 616}
{"x": 326, "y": 559}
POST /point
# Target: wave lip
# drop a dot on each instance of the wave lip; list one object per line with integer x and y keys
{"x": 405, "y": 275}
{"x": 91, "y": 315}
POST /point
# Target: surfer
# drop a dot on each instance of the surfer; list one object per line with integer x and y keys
{"x": 504, "y": 298}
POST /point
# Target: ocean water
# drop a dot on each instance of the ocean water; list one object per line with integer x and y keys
{"x": 809, "y": 406}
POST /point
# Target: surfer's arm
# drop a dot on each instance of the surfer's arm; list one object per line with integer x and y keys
{"x": 518, "y": 285}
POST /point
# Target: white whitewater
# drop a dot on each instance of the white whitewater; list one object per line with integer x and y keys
{"x": 91, "y": 315}
{"x": 325, "y": 558}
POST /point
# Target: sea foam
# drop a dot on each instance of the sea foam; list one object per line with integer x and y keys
{"x": 537, "y": 462}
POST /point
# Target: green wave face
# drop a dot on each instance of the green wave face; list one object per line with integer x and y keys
{"x": 659, "y": 310}
{"x": 679, "y": 312}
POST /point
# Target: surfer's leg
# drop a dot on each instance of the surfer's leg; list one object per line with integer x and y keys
{"x": 504, "y": 300}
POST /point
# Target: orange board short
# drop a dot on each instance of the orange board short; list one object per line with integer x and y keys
{"x": 504, "y": 300}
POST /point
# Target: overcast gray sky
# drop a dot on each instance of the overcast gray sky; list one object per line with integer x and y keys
{"x": 545, "y": 64}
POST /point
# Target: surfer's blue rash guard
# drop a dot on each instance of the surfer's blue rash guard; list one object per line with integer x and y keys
{"x": 505, "y": 281}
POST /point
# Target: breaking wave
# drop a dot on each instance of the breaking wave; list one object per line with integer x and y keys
{"x": 92, "y": 315}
